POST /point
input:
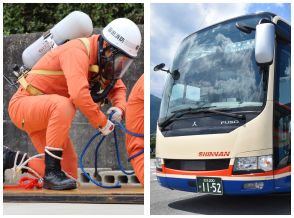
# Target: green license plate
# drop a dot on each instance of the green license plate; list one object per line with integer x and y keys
{"x": 209, "y": 185}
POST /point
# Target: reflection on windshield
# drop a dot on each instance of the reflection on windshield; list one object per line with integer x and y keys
{"x": 218, "y": 69}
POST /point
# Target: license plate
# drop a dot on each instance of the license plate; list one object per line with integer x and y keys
{"x": 211, "y": 185}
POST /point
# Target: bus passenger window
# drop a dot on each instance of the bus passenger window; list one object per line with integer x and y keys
{"x": 284, "y": 69}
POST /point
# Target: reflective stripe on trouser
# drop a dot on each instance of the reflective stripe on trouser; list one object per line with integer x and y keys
{"x": 47, "y": 120}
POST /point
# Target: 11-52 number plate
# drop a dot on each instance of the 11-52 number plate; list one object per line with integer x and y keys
{"x": 211, "y": 185}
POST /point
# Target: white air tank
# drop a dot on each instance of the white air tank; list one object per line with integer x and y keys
{"x": 75, "y": 25}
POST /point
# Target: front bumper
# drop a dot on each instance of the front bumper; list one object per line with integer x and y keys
{"x": 230, "y": 187}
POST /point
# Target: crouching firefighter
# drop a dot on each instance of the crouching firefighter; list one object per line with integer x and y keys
{"x": 79, "y": 74}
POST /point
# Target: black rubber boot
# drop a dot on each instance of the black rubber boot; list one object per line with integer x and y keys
{"x": 9, "y": 158}
{"x": 55, "y": 178}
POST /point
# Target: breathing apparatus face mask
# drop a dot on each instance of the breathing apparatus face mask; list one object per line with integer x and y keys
{"x": 113, "y": 62}
{"x": 116, "y": 66}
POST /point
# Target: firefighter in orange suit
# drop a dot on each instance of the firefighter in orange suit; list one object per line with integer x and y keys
{"x": 135, "y": 124}
{"x": 58, "y": 84}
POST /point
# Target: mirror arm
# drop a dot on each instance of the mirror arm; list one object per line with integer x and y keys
{"x": 165, "y": 70}
{"x": 264, "y": 70}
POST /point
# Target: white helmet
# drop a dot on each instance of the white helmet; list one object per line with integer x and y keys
{"x": 123, "y": 34}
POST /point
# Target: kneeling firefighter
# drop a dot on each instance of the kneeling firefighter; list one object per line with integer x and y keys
{"x": 61, "y": 81}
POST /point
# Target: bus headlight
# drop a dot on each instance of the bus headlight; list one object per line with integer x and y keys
{"x": 265, "y": 163}
{"x": 245, "y": 163}
{"x": 255, "y": 164}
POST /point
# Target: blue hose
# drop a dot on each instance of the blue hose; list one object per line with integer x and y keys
{"x": 117, "y": 185}
{"x": 96, "y": 154}
{"x": 127, "y": 131}
{"x": 118, "y": 156}
{"x": 135, "y": 155}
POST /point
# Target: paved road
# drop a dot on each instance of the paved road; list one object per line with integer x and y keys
{"x": 71, "y": 209}
{"x": 165, "y": 201}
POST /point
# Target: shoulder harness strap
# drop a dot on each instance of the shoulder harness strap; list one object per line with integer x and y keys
{"x": 86, "y": 42}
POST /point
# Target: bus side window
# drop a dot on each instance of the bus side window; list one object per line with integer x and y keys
{"x": 282, "y": 107}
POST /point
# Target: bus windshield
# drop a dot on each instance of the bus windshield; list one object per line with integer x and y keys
{"x": 217, "y": 69}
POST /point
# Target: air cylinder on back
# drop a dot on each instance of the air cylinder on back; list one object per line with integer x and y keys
{"x": 75, "y": 25}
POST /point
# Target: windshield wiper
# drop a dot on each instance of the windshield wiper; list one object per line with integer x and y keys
{"x": 189, "y": 109}
{"x": 179, "y": 113}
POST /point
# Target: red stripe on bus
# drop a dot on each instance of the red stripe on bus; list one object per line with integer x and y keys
{"x": 283, "y": 170}
{"x": 226, "y": 172}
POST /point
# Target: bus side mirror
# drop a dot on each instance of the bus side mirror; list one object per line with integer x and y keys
{"x": 159, "y": 67}
{"x": 264, "y": 43}
{"x": 175, "y": 74}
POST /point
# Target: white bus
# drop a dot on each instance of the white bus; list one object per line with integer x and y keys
{"x": 224, "y": 122}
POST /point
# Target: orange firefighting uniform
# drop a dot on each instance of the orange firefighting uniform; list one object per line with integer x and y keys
{"x": 47, "y": 118}
{"x": 135, "y": 123}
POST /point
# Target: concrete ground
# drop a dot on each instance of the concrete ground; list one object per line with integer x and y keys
{"x": 71, "y": 209}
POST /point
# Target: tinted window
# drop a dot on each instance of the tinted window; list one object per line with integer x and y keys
{"x": 282, "y": 105}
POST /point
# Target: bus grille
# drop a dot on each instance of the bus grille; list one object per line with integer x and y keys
{"x": 197, "y": 165}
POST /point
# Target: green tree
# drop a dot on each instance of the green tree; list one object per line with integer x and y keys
{"x": 152, "y": 145}
{"x": 33, "y": 17}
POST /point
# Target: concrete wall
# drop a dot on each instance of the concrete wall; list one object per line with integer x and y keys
{"x": 81, "y": 131}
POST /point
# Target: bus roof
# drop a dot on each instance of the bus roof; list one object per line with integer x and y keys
{"x": 224, "y": 21}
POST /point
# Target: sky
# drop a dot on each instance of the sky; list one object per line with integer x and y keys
{"x": 171, "y": 23}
